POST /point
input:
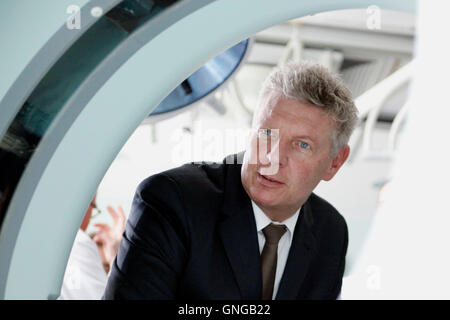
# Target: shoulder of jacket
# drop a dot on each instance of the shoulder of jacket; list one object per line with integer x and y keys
{"x": 323, "y": 210}
{"x": 191, "y": 177}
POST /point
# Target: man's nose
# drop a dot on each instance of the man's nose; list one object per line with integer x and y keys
{"x": 275, "y": 154}
{"x": 278, "y": 154}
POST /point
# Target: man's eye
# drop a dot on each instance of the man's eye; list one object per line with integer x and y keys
{"x": 304, "y": 145}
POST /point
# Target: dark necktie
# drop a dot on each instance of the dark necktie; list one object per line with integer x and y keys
{"x": 273, "y": 234}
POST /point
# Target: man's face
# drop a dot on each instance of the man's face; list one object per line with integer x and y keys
{"x": 297, "y": 158}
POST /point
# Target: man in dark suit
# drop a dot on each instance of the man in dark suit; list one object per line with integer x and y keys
{"x": 249, "y": 227}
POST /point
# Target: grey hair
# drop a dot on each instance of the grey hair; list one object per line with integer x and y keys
{"x": 314, "y": 84}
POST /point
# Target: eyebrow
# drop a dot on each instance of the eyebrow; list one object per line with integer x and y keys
{"x": 295, "y": 137}
{"x": 304, "y": 137}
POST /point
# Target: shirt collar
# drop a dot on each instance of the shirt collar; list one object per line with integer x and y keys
{"x": 263, "y": 221}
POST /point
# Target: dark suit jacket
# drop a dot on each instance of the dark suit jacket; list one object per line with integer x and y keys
{"x": 191, "y": 234}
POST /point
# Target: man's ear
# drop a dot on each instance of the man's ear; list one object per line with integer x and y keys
{"x": 337, "y": 162}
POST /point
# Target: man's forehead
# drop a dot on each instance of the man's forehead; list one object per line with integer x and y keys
{"x": 266, "y": 105}
{"x": 277, "y": 104}
{"x": 297, "y": 122}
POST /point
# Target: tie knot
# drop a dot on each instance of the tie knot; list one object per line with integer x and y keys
{"x": 274, "y": 232}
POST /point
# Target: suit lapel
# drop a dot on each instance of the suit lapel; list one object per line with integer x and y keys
{"x": 240, "y": 240}
{"x": 239, "y": 236}
{"x": 301, "y": 252}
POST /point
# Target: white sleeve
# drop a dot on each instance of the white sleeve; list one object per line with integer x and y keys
{"x": 85, "y": 278}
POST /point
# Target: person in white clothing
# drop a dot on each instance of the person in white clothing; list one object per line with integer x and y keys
{"x": 90, "y": 258}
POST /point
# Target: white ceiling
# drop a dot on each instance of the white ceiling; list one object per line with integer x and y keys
{"x": 394, "y": 22}
{"x": 346, "y": 38}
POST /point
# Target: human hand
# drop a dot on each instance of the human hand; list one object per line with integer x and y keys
{"x": 108, "y": 237}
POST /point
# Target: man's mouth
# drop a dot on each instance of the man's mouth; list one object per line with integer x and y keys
{"x": 267, "y": 181}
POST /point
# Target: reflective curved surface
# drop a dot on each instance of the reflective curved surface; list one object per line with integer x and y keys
{"x": 205, "y": 80}
{"x": 61, "y": 82}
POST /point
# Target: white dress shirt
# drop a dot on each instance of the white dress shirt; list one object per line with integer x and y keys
{"x": 85, "y": 278}
{"x": 284, "y": 244}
